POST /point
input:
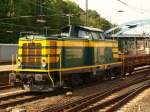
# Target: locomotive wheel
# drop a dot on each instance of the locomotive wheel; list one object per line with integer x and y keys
{"x": 108, "y": 74}
{"x": 86, "y": 77}
{"x": 73, "y": 80}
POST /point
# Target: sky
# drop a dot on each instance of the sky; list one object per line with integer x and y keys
{"x": 137, "y": 9}
{"x": 132, "y": 10}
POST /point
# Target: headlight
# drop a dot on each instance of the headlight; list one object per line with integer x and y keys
{"x": 19, "y": 62}
{"x": 43, "y": 63}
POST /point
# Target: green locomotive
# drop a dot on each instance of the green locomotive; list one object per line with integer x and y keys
{"x": 79, "y": 54}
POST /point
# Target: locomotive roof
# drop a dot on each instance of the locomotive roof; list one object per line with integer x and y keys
{"x": 91, "y": 28}
{"x": 86, "y": 28}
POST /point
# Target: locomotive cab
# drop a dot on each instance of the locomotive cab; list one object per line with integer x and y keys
{"x": 82, "y": 32}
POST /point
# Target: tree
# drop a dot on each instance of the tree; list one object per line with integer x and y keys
{"x": 95, "y": 20}
{"x": 53, "y": 12}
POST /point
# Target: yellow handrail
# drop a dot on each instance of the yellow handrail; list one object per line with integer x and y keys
{"x": 16, "y": 63}
{"x": 60, "y": 67}
{"x": 13, "y": 63}
{"x": 122, "y": 60}
{"x": 49, "y": 75}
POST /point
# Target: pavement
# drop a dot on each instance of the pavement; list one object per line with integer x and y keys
{"x": 4, "y": 68}
{"x": 12, "y": 93}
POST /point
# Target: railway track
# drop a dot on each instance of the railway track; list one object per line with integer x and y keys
{"x": 6, "y": 87}
{"x": 92, "y": 102}
{"x": 24, "y": 97}
{"x": 13, "y": 100}
{"x": 8, "y": 100}
{"x": 19, "y": 98}
{"x": 113, "y": 104}
{"x": 3, "y": 84}
{"x": 121, "y": 100}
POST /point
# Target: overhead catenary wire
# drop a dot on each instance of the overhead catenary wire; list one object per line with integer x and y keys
{"x": 29, "y": 1}
{"x": 58, "y": 14}
{"x": 138, "y": 10}
{"x": 10, "y": 24}
{"x": 41, "y": 28}
{"x": 16, "y": 17}
{"x": 35, "y": 16}
{"x": 30, "y": 16}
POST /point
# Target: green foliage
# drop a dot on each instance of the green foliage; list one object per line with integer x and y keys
{"x": 95, "y": 20}
{"x": 54, "y": 12}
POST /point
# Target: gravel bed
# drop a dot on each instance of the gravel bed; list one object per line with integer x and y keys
{"x": 79, "y": 93}
{"x": 140, "y": 103}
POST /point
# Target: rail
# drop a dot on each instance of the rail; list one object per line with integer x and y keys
{"x": 116, "y": 102}
{"x": 79, "y": 104}
{"x": 19, "y": 98}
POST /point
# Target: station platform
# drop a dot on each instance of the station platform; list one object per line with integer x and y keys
{"x": 4, "y": 73}
{"x": 5, "y": 68}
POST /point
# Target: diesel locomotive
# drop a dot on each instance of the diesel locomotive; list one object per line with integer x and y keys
{"x": 77, "y": 55}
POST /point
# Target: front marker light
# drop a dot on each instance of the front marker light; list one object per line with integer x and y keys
{"x": 44, "y": 63}
{"x": 19, "y": 62}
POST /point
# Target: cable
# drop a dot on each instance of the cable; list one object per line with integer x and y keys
{"x": 131, "y": 7}
{"x": 30, "y": 16}
{"x": 48, "y": 8}
{"x": 39, "y": 5}
{"x": 10, "y": 24}
{"x": 17, "y": 17}
{"x": 122, "y": 2}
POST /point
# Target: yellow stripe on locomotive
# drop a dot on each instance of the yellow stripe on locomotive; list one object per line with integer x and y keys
{"x": 54, "y": 51}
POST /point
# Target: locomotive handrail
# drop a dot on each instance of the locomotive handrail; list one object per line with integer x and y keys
{"x": 13, "y": 63}
{"x": 26, "y": 33}
{"x": 122, "y": 65}
{"x": 60, "y": 74}
{"x": 49, "y": 75}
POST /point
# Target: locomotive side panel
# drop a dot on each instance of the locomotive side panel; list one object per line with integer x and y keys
{"x": 74, "y": 53}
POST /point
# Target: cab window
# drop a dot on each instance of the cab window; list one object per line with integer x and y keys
{"x": 96, "y": 35}
{"x": 84, "y": 34}
{"x": 90, "y": 35}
